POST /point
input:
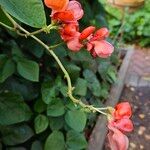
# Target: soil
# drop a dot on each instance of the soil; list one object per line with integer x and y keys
{"x": 139, "y": 98}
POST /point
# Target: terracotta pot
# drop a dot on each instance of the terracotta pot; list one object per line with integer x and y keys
{"x": 129, "y": 3}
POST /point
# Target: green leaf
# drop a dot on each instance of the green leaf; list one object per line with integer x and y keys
{"x": 56, "y": 108}
{"x": 76, "y": 119}
{"x": 80, "y": 87}
{"x": 7, "y": 68}
{"x": 71, "y": 105}
{"x": 28, "y": 69}
{"x": 55, "y": 141}
{"x": 83, "y": 56}
{"x": 105, "y": 90}
{"x": 13, "y": 135}
{"x": 30, "y": 12}
{"x": 36, "y": 145}
{"x": 4, "y": 19}
{"x": 13, "y": 109}
{"x": 27, "y": 89}
{"x": 93, "y": 83}
{"x": 73, "y": 70}
{"x": 102, "y": 69}
{"x": 48, "y": 92}
{"x": 60, "y": 51}
{"x": 39, "y": 106}
{"x": 113, "y": 12}
{"x": 40, "y": 123}
{"x": 16, "y": 51}
{"x": 112, "y": 74}
{"x": 37, "y": 49}
{"x": 56, "y": 123}
{"x": 76, "y": 140}
{"x": 64, "y": 90}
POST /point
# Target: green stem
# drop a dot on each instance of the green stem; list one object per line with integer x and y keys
{"x": 16, "y": 25}
{"x": 56, "y": 45}
{"x": 6, "y": 26}
{"x": 32, "y": 33}
{"x": 70, "y": 88}
{"x": 123, "y": 21}
{"x": 103, "y": 108}
{"x": 45, "y": 29}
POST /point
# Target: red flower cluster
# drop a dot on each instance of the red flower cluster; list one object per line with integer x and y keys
{"x": 96, "y": 43}
{"x": 67, "y": 13}
{"x": 118, "y": 125}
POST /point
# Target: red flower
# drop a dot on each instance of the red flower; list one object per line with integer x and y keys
{"x": 65, "y": 16}
{"x": 76, "y": 9}
{"x": 67, "y": 13}
{"x": 68, "y": 31}
{"x": 124, "y": 124}
{"x": 119, "y": 124}
{"x": 96, "y": 43}
{"x": 101, "y": 34}
{"x": 100, "y": 48}
{"x": 117, "y": 140}
{"x": 57, "y": 5}
{"x": 73, "y": 12}
{"x": 122, "y": 110}
{"x": 75, "y": 44}
{"x": 70, "y": 34}
{"x": 86, "y": 32}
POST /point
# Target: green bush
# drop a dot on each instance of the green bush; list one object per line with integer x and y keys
{"x": 136, "y": 25}
{"x": 35, "y": 111}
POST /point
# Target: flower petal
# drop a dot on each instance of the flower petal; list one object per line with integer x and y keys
{"x": 124, "y": 125}
{"x": 89, "y": 46}
{"x": 74, "y": 44}
{"x": 65, "y": 16}
{"x": 86, "y": 32}
{"x": 57, "y": 5}
{"x": 117, "y": 140}
{"x": 122, "y": 110}
{"x": 68, "y": 31}
{"x": 102, "y": 48}
{"x": 76, "y": 8}
{"x": 101, "y": 34}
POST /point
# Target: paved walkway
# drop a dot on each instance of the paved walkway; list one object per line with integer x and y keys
{"x": 137, "y": 91}
{"x": 138, "y": 74}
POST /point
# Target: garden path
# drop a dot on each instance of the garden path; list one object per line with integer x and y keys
{"x": 138, "y": 74}
{"x": 137, "y": 91}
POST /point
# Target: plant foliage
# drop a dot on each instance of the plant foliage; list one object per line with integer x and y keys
{"x": 136, "y": 25}
{"x": 35, "y": 112}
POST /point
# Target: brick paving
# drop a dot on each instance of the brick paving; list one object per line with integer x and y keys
{"x": 137, "y": 91}
{"x": 138, "y": 74}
